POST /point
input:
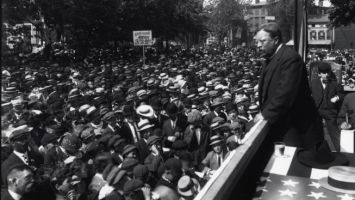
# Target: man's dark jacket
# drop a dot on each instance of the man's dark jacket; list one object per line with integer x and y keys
{"x": 286, "y": 101}
{"x": 319, "y": 95}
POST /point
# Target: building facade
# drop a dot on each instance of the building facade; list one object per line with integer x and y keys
{"x": 257, "y": 13}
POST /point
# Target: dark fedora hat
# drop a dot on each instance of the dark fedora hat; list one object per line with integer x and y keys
{"x": 323, "y": 67}
{"x": 321, "y": 157}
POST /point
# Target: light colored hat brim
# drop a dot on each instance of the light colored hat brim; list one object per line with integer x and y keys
{"x": 216, "y": 142}
{"x": 149, "y": 114}
{"x": 146, "y": 127}
{"x": 324, "y": 183}
{"x": 189, "y": 193}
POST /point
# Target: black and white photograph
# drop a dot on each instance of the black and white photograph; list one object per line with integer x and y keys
{"x": 178, "y": 100}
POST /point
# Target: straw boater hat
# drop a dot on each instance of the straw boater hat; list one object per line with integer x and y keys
{"x": 188, "y": 186}
{"x": 340, "y": 179}
{"x": 217, "y": 102}
{"x": 145, "y": 111}
{"x": 253, "y": 109}
{"x": 216, "y": 139}
{"x": 20, "y": 131}
{"x": 144, "y": 124}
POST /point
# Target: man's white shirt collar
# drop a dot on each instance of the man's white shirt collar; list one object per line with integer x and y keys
{"x": 22, "y": 157}
{"x": 14, "y": 195}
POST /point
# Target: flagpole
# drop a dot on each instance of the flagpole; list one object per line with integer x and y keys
{"x": 300, "y": 28}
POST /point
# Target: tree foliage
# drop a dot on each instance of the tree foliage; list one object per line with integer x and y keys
{"x": 95, "y": 23}
{"x": 98, "y": 22}
{"x": 20, "y": 11}
{"x": 342, "y": 13}
{"x": 225, "y": 16}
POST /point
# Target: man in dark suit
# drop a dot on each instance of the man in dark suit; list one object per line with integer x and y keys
{"x": 21, "y": 155}
{"x": 285, "y": 102}
{"x": 20, "y": 183}
{"x": 328, "y": 95}
{"x": 284, "y": 93}
{"x": 174, "y": 126}
{"x": 129, "y": 129}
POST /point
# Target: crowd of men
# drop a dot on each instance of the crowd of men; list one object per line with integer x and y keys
{"x": 120, "y": 129}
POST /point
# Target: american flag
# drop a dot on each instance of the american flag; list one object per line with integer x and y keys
{"x": 286, "y": 178}
{"x": 278, "y": 187}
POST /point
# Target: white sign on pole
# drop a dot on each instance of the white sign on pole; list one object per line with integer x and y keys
{"x": 270, "y": 18}
{"x": 142, "y": 38}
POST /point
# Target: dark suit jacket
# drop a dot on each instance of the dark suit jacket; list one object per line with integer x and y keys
{"x": 53, "y": 156}
{"x": 168, "y": 130}
{"x": 207, "y": 120}
{"x": 286, "y": 101}
{"x": 348, "y": 107}
{"x": 332, "y": 89}
{"x": 142, "y": 149}
{"x": 126, "y": 133}
{"x": 158, "y": 122}
{"x": 199, "y": 151}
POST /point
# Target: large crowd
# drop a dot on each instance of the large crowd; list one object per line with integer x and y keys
{"x": 120, "y": 129}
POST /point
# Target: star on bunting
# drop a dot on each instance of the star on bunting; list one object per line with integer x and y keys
{"x": 346, "y": 197}
{"x": 315, "y": 184}
{"x": 290, "y": 183}
{"x": 317, "y": 195}
{"x": 287, "y": 192}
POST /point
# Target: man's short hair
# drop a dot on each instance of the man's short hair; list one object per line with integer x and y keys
{"x": 14, "y": 171}
{"x": 273, "y": 29}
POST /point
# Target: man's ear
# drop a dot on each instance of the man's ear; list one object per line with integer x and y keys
{"x": 12, "y": 181}
{"x": 169, "y": 174}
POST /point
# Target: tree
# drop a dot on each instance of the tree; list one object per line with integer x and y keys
{"x": 342, "y": 13}
{"x": 92, "y": 23}
{"x": 20, "y": 11}
{"x": 85, "y": 24}
{"x": 225, "y": 18}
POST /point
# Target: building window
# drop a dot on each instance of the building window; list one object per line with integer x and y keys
{"x": 313, "y": 35}
{"x": 321, "y": 35}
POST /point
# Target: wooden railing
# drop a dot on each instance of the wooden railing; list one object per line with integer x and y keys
{"x": 223, "y": 181}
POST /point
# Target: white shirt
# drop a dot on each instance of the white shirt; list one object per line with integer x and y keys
{"x": 134, "y": 132}
{"x": 14, "y": 195}
{"x": 323, "y": 84}
{"x": 173, "y": 123}
{"x": 216, "y": 113}
{"x": 22, "y": 156}
{"x": 198, "y": 135}
{"x": 113, "y": 130}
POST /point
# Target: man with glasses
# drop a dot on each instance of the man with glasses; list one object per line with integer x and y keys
{"x": 285, "y": 101}
{"x": 284, "y": 94}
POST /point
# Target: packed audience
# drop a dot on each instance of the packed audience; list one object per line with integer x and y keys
{"x": 120, "y": 129}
